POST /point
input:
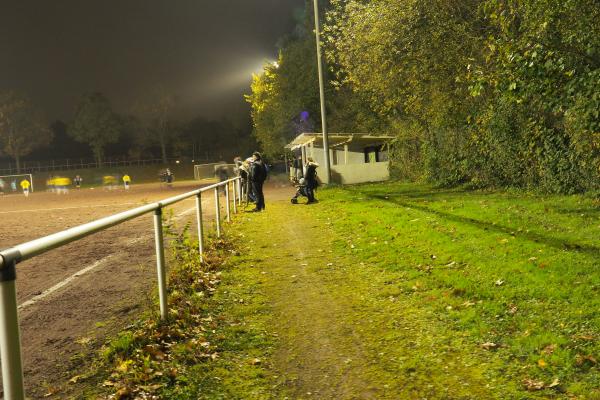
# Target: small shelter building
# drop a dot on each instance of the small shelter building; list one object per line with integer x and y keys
{"x": 354, "y": 157}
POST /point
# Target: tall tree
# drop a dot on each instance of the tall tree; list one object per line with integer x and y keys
{"x": 21, "y": 127}
{"x": 158, "y": 122}
{"x": 96, "y": 124}
{"x": 163, "y": 125}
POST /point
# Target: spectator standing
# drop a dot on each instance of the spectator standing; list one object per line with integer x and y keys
{"x": 297, "y": 168}
{"x": 222, "y": 173}
{"x": 258, "y": 175}
{"x": 311, "y": 179}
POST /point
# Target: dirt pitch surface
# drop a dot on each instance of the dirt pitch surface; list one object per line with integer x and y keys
{"x": 71, "y": 298}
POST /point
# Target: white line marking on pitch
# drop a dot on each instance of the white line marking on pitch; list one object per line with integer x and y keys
{"x": 85, "y": 270}
{"x": 186, "y": 212}
{"x": 63, "y": 283}
{"x": 67, "y": 208}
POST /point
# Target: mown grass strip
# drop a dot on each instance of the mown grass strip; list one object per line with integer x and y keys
{"x": 517, "y": 273}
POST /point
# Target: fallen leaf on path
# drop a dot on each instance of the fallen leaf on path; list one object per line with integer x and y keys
{"x": 532, "y": 384}
{"x": 499, "y": 282}
{"x": 581, "y": 359}
{"x": 83, "y": 341}
{"x": 541, "y": 363}
{"x": 255, "y": 361}
{"x": 583, "y": 337}
{"x": 554, "y": 383}
{"x": 123, "y": 393}
{"x": 549, "y": 349}
{"x": 75, "y": 379}
{"x": 52, "y": 391}
{"x": 124, "y": 365}
{"x": 489, "y": 345}
{"x": 151, "y": 388}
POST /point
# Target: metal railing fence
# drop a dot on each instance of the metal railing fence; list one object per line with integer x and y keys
{"x": 10, "y": 344}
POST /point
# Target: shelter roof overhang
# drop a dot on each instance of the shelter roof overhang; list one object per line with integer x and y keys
{"x": 338, "y": 139}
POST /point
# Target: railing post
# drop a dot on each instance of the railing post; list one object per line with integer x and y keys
{"x": 217, "y": 212}
{"x": 234, "y": 187}
{"x": 160, "y": 263}
{"x": 10, "y": 342}
{"x": 200, "y": 225}
{"x": 242, "y": 192}
{"x": 227, "y": 209}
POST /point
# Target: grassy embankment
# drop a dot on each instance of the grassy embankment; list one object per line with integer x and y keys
{"x": 397, "y": 291}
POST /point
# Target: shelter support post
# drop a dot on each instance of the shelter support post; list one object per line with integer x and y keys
{"x": 345, "y": 154}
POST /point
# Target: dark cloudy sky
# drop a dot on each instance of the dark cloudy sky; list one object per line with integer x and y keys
{"x": 204, "y": 51}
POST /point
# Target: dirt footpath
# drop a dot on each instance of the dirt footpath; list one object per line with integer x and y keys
{"x": 340, "y": 329}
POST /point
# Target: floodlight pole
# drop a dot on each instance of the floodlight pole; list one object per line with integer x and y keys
{"x": 322, "y": 96}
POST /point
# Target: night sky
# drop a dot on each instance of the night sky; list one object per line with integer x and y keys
{"x": 202, "y": 51}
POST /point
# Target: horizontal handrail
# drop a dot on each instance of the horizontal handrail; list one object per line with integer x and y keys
{"x": 35, "y": 247}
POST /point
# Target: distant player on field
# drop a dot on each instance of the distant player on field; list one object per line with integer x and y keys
{"x": 25, "y": 186}
{"x": 77, "y": 181}
{"x": 109, "y": 182}
{"x": 126, "y": 181}
{"x": 61, "y": 184}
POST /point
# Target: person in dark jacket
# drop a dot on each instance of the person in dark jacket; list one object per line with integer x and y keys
{"x": 310, "y": 179}
{"x": 258, "y": 175}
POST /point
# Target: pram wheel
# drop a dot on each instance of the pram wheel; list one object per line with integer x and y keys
{"x": 294, "y": 201}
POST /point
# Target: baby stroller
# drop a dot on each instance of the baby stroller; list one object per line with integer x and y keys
{"x": 301, "y": 190}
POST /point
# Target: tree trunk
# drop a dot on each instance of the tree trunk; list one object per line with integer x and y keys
{"x": 163, "y": 147}
{"x": 98, "y": 153}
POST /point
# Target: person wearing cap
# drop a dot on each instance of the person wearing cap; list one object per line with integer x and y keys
{"x": 258, "y": 175}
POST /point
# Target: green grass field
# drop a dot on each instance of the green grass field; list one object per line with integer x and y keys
{"x": 518, "y": 272}
{"x": 400, "y": 291}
